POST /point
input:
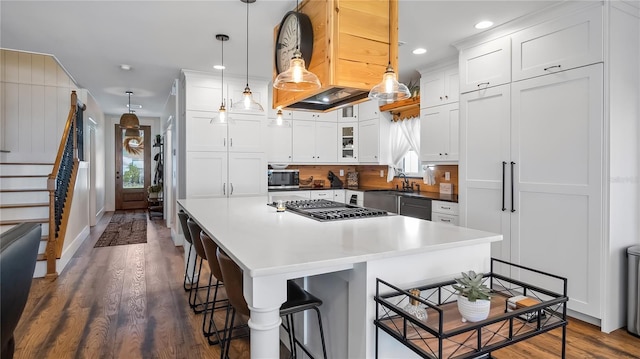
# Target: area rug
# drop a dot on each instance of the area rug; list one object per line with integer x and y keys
{"x": 125, "y": 227}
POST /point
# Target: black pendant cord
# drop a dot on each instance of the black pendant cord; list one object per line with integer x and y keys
{"x": 389, "y": 17}
{"x": 297, "y": 29}
{"x": 222, "y": 74}
{"x": 247, "y": 44}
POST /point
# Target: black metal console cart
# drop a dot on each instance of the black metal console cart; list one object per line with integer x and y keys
{"x": 444, "y": 335}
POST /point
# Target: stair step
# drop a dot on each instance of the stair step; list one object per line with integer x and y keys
{"x": 27, "y": 163}
{"x": 42, "y": 257}
{"x": 23, "y": 190}
{"x": 26, "y": 169}
{"x": 24, "y": 205}
{"x": 32, "y": 220}
{"x": 24, "y": 176}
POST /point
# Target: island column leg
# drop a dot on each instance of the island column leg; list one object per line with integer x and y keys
{"x": 264, "y": 296}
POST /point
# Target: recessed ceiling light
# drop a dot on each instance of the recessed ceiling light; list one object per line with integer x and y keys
{"x": 125, "y": 67}
{"x": 419, "y": 51}
{"x": 218, "y": 67}
{"x": 484, "y": 24}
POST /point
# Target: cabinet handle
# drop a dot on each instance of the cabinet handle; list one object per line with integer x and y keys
{"x": 504, "y": 165}
{"x": 224, "y": 189}
{"x": 440, "y": 154}
{"x": 289, "y": 156}
{"x": 446, "y": 154}
{"x": 440, "y": 97}
{"x": 447, "y": 97}
{"x": 231, "y": 142}
{"x": 483, "y": 83}
{"x": 224, "y": 142}
{"x": 375, "y": 156}
{"x": 231, "y": 184}
{"x": 551, "y": 67}
{"x": 512, "y": 200}
{"x": 445, "y": 207}
{"x": 444, "y": 220}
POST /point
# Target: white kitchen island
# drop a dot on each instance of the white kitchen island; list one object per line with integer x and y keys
{"x": 341, "y": 261}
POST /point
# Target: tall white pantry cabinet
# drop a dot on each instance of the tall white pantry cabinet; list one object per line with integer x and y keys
{"x": 220, "y": 159}
{"x": 549, "y": 147}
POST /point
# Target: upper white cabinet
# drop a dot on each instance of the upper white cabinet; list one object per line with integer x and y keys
{"x": 279, "y": 142}
{"x": 348, "y": 142}
{"x": 558, "y": 45}
{"x": 315, "y": 116}
{"x": 242, "y": 133}
{"x": 203, "y": 93}
{"x": 315, "y": 141}
{"x": 485, "y": 65}
{"x": 368, "y": 110}
{"x": 369, "y": 141}
{"x": 439, "y": 137}
{"x": 348, "y": 113}
{"x": 439, "y": 87}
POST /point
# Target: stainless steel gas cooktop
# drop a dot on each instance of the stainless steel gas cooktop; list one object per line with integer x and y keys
{"x": 323, "y": 210}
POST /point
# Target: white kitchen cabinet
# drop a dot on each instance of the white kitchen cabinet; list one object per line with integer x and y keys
{"x": 315, "y": 141}
{"x": 444, "y": 212}
{"x": 531, "y": 168}
{"x": 369, "y": 141}
{"x": 247, "y": 174}
{"x": 204, "y": 93}
{"x": 339, "y": 195}
{"x": 315, "y": 116}
{"x": 322, "y": 194}
{"x": 485, "y": 65}
{"x": 206, "y": 174}
{"x": 348, "y": 142}
{"x": 242, "y": 133}
{"x": 558, "y": 45}
{"x": 439, "y": 87}
{"x": 347, "y": 113}
{"x": 368, "y": 110}
{"x": 279, "y": 142}
{"x": 439, "y": 135}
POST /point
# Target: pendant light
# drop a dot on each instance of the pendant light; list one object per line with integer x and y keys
{"x": 297, "y": 77}
{"x": 222, "y": 111}
{"x": 279, "y": 117}
{"x": 247, "y": 103}
{"x": 389, "y": 89}
{"x": 129, "y": 119}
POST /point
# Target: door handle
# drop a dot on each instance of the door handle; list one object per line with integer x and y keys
{"x": 224, "y": 189}
{"x": 231, "y": 184}
{"x": 512, "y": 200}
{"x": 504, "y": 166}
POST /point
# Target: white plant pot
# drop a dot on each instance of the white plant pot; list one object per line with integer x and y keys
{"x": 473, "y": 311}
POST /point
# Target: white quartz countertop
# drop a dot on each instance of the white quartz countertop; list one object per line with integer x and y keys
{"x": 266, "y": 242}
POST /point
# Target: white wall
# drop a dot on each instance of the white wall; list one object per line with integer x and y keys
{"x": 95, "y": 155}
{"x": 168, "y": 120}
{"x": 36, "y": 98}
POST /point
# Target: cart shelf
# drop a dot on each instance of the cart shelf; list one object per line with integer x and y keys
{"x": 444, "y": 335}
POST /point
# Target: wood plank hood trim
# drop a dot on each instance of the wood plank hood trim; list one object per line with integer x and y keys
{"x": 350, "y": 51}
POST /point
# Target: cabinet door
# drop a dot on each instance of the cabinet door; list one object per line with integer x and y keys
{"x": 557, "y": 145}
{"x": 304, "y": 141}
{"x": 331, "y": 116}
{"x": 368, "y": 141}
{"x": 434, "y": 134}
{"x": 326, "y": 142}
{"x": 204, "y": 133}
{"x": 245, "y": 133}
{"x": 452, "y": 114}
{"x": 348, "y": 142}
{"x": 485, "y": 65}
{"x": 279, "y": 142}
{"x": 483, "y": 179}
{"x": 347, "y": 113}
{"x": 339, "y": 195}
{"x": 451, "y": 85}
{"x": 203, "y": 94}
{"x": 368, "y": 110}
{"x": 247, "y": 174}
{"x": 431, "y": 89}
{"x": 304, "y": 115}
{"x": 558, "y": 45}
{"x": 206, "y": 174}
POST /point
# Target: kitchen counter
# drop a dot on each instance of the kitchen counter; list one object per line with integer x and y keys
{"x": 273, "y": 247}
{"x": 429, "y": 195}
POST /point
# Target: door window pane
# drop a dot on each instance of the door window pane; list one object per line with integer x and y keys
{"x": 132, "y": 158}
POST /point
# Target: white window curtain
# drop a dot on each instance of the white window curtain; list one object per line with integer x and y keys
{"x": 404, "y": 136}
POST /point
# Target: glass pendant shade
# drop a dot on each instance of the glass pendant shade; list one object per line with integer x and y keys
{"x": 389, "y": 89}
{"x": 247, "y": 103}
{"x": 279, "y": 117}
{"x": 297, "y": 77}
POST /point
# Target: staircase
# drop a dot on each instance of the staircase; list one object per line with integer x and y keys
{"x": 24, "y": 198}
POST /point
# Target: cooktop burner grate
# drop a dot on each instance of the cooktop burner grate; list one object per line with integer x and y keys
{"x": 323, "y": 210}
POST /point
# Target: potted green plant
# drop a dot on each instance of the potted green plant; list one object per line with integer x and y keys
{"x": 474, "y": 297}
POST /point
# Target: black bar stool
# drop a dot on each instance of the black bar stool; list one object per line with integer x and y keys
{"x": 298, "y": 300}
{"x": 182, "y": 216}
{"x": 197, "y": 305}
{"x": 210, "y": 248}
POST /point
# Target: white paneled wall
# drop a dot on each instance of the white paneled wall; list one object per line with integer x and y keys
{"x": 36, "y": 94}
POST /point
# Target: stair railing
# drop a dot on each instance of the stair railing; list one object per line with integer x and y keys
{"x": 60, "y": 185}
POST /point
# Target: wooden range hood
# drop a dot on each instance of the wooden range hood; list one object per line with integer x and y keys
{"x": 350, "y": 51}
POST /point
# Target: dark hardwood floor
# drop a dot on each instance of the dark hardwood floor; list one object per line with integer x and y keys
{"x": 128, "y": 302}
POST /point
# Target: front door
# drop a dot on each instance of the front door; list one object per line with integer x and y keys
{"x": 133, "y": 167}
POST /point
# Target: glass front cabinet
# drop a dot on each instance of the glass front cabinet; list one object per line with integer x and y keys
{"x": 348, "y": 142}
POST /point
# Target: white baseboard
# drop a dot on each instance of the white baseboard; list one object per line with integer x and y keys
{"x": 99, "y": 214}
{"x": 41, "y": 266}
{"x": 585, "y": 318}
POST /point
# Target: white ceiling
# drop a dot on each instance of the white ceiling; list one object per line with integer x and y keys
{"x": 158, "y": 38}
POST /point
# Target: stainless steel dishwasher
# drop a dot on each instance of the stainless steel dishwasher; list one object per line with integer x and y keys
{"x": 384, "y": 200}
{"x": 415, "y": 207}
